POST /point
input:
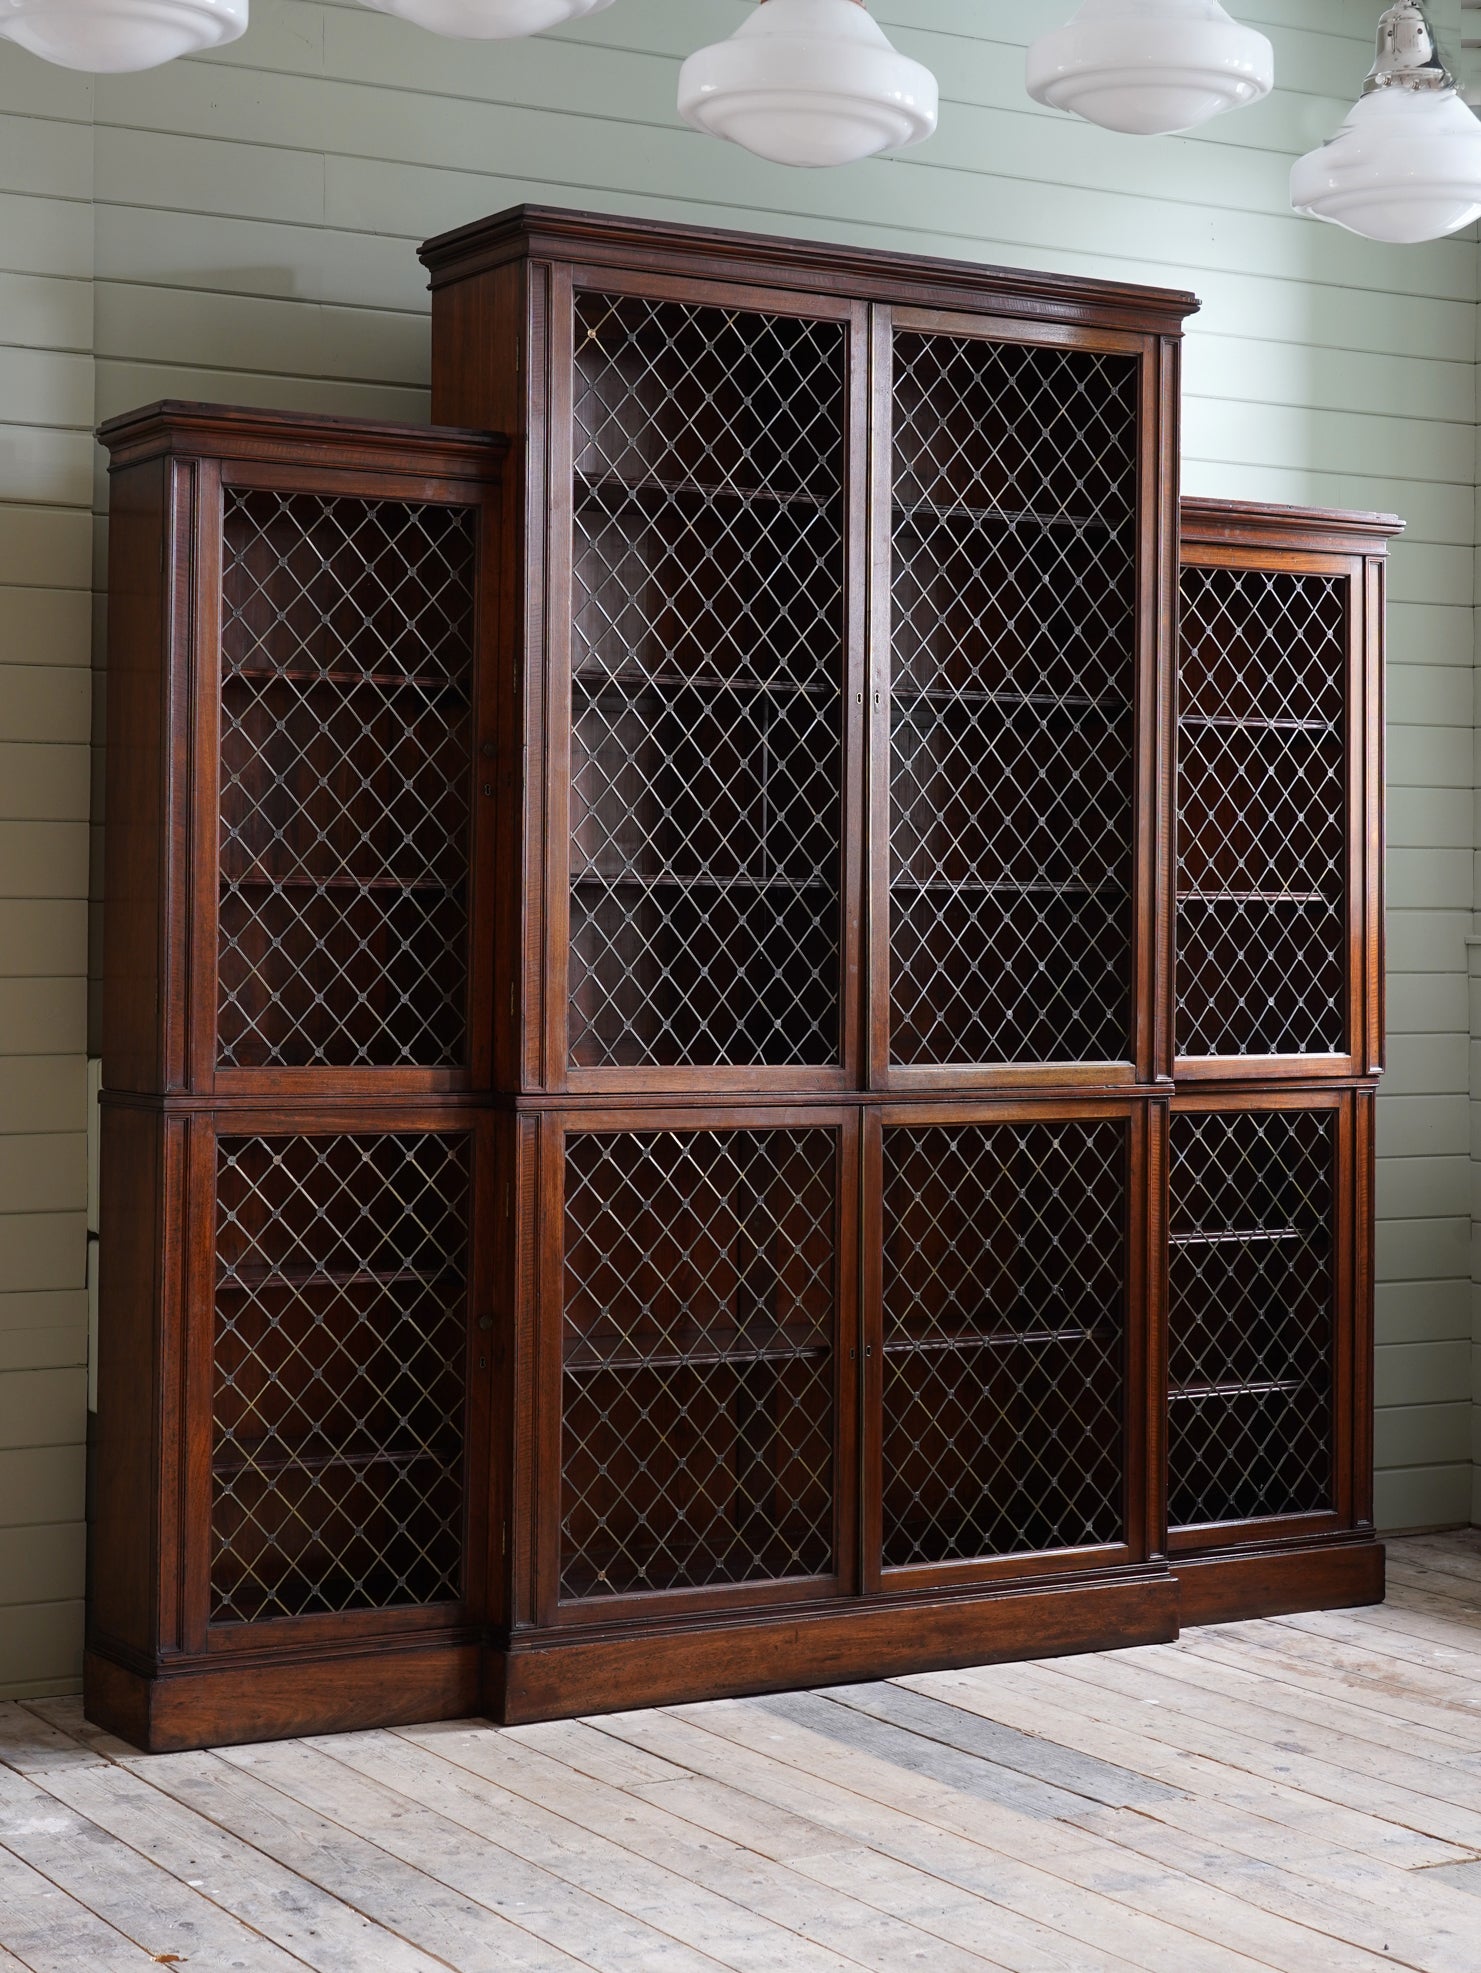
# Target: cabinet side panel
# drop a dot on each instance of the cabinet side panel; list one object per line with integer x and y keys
{"x": 137, "y": 987}
{"x": 477, "y": 330}
{"x": 485, "y": 374}
{"x": 123, "y": 1534}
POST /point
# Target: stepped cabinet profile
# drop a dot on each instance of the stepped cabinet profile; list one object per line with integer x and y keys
{"x": 742, "y": 1006}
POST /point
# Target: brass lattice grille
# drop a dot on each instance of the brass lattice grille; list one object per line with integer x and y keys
{"x": 347, "y": 642}
{"x": 697, "y": 1439}
{"x": 1250, "y": 1315}
{"x": 1013, "y": 653}
{"x": 1004, "y": 1322}
{"x": 337, "y": 1449}
{"x": 1261, "y": 825}
{"x": 707, "y": 665}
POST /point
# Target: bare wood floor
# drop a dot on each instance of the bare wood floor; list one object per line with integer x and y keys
{"x": 1303, "y": 1794}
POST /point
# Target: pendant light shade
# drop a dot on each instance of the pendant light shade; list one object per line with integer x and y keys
{"x": 109, "y": 37}
{"x": 488, "y": 20}
{"x": 1150, "y": 66}
{"x": 1406, "y": 164}
{"x": 809, "y": 82}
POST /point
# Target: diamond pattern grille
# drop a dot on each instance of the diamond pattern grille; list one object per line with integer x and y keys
{"x": 1261, "y": 830}
{"x": 340, "y": 1322}
{"x": 1004, "y": 1322}
{"x": 697, "y": 1430}
{"x": 707, "y": 666}
{"x": 1250, "y": 1315}
{"x": 347, "y": 652}
{"x": 1013, "y": 653}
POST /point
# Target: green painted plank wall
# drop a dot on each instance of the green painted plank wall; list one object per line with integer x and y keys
{"x": 244, "y": 228}
{"x": 46, "y": 500}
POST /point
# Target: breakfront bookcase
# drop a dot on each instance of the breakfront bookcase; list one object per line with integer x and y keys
{"x": 718, "y": 1077}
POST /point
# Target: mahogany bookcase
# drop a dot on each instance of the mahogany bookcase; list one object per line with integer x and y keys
{"x": 717, "y": 1077}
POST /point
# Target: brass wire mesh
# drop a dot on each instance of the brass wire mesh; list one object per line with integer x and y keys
{"x": 697, "y": 1410}
{"x": 707, "y": 669}
{"x": 1005, "y": 1256}
{"x": 1250, "y": 1324}
{"x": 1261, "y": 823}
{"x": 1013, "y": 655}
{"x": 340, "y": 1322}
{"x": 347, "y": 656}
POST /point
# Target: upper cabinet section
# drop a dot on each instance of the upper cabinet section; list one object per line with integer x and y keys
{"x": 320, "y": 595}
{"x": 847, "y": 584}
{"x": 1279, "y": 773}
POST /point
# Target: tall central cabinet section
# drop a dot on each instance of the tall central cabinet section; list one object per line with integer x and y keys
{"x": 834, "y": 842}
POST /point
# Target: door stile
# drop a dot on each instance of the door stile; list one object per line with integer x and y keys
{"x": 870, "y": 1345}
{"x": 881, "y": 560}
{"x": 559, "y": 553}
{"x": 197, "y": 1265}
{"x": 1360, "y": 1323}
{"x": 1374, "y": 818}
{"x": 849, "y": 1249}
{"x": 1157, "y": 668}
{"x": 547, "y": 1365}
{"x": 202, "y": 605}
{"x": 1147, "y": 1350}
{"x": 854, "y": 915}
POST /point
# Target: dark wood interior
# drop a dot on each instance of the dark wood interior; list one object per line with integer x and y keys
{"x": 733, "y": 1059}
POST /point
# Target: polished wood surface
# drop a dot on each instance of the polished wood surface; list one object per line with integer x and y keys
{"x": 716, "y": 853}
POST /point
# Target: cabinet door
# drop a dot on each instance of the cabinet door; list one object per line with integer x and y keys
{"x": 1271, "y": 815}
{"x": 699, "y": 1283}
{"x": 1018, "y": 518}
{"x": 1006, "y": 1341}
{"x": 336, "y": 1434}
{"x": 706, "y": 640}
{"x": 1264, "y": 1273}
{"x": 341, "y": 714}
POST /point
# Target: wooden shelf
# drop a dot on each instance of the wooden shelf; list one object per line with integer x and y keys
{"x": 1256, "y": 724}
{"x": 290, "y": 1460}
{"x": 627, "y": 880}
{"x": 1237, "y": 1236}
{"x": 934, "y": 512}
{"x": 689, "y": 1359}
{"x": 388, "y": 681}
{"x": 254, "y": 880}
{"x": 994, "y": 1339}
{"x": 248, "y": 1280}
{"x": 1010, "y": 701}
{"x": 1005, "y": 887}
{"x": 592, "y": 685}
{"x": 611, "y": 492}
{"x": 1268, "y": 1387}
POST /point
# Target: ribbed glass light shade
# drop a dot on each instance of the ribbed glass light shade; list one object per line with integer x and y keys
{"x": 1150, "y": 67}
{"x": 809, "y": 82}
{"x": 488, "y": 20}
{"x": 109, "y": 37}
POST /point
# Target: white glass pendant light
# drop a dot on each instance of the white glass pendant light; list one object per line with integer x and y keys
{"x": 809, "y": 82}
{"x": 111, "y": 36}
{"x": 1406, "y": 165}
{"x": 1150, "y": 67}
{"x": 488, "y": 20}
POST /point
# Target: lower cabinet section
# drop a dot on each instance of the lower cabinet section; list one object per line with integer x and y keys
{"x": 548, "y": 1412}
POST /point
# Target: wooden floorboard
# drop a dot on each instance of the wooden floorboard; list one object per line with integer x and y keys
{"x": 1301, "y": 1794}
